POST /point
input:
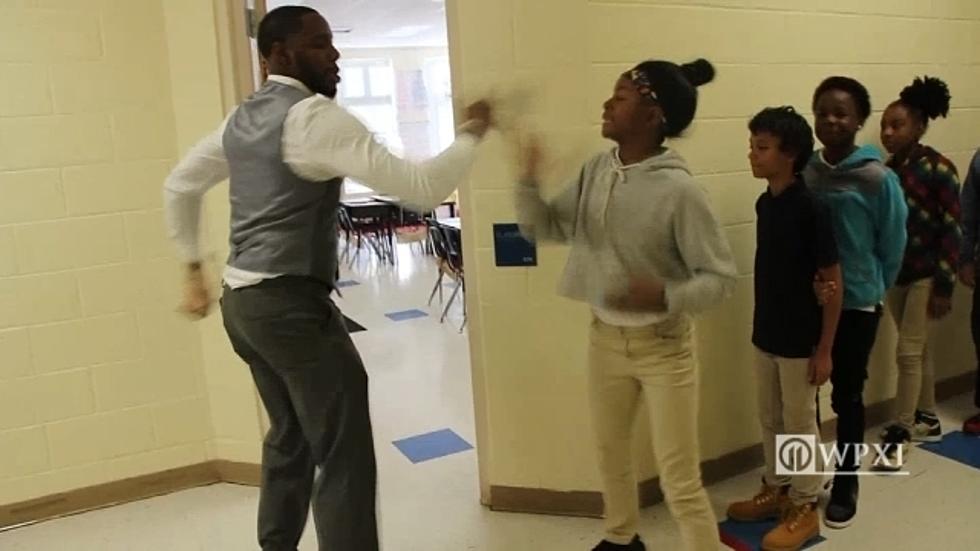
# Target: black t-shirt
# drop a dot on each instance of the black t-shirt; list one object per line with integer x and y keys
{"x": 794, "y": 237}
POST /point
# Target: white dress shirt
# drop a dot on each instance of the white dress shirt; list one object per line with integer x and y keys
{"x": 320, "y": 141}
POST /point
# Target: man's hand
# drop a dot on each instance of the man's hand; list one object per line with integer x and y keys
{"x": 197, "y": 299}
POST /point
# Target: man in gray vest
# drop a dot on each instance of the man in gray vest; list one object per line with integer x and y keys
{"x": 285, "y": 151}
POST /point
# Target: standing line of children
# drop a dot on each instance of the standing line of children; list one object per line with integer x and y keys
{"x": 893, "y": 236}
{"x": 840, "y": 233}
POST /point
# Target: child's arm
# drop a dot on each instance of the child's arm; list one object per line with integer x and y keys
{"x": 829, "y": 272}
{"x": 968, "y": 205}
{"x": 539, "y": 219}
{"x": 705, "y": 250}
{"x": 950, "y": 236}
{"x": 831, "y": 316}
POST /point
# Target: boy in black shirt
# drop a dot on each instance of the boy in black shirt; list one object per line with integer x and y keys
{"x": 792, "y": 334}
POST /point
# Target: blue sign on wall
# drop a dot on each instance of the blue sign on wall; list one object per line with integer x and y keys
{"x": 510, "y": 247}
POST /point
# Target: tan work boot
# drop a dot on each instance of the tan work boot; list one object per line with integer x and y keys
{"x": 767, "y": 504}
{"x": 800, "y": 524}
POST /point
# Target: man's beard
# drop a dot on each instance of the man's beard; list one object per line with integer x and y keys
{"x": 321, "y": 83}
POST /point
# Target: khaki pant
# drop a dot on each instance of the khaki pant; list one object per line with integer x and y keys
{"x": 916, "y": 376}
{"x": 787, "y": 405}
{"x": 656, "y": 364}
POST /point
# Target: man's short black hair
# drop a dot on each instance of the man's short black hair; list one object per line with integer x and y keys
{"x": 279, "y": 24}
{"x": 794, "y": 133}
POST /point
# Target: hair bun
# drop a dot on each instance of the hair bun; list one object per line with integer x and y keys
{"x": 930, "y": 95}
{"x": 698, "y": 72}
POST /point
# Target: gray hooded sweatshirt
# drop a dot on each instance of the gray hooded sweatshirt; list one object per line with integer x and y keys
{"x": 649, "y": 220}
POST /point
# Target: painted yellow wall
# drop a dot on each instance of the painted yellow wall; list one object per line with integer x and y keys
{"x": 99, "y": 378}
{"x": 528, "y": 345}
{"x": 201, "y": 98}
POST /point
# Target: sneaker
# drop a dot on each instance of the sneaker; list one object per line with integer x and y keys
{"x": 765, "y": 505}
{"x": 926, "y": 428}
{"x": 896, "y": 447}
{"x": 842, "y": 507}
{"x": 635, "y": 545}
{"x": 972, "y": 425}
{"x": 801, "y": 523}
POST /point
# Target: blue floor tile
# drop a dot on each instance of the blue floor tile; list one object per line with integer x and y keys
{"x": 347, "y": 283}
{"x": 747, "y": 536}
{"x": 958, "y": 447}
{"x": 432, "y": 445}
{"x": 405, "y": 315}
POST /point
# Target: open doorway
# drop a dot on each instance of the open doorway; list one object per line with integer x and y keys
{"x": 395, "y": 71}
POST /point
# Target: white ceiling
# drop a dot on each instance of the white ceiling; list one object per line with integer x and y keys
{"x": 381, "y": 23}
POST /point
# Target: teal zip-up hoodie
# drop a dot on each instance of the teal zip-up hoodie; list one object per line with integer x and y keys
{"x": 868, "y": 209}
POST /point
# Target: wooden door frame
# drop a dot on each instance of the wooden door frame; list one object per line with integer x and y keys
{"x": 235, "y": 48}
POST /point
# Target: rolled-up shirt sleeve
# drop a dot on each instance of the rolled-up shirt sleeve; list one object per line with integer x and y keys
{"x": 203, "y": 167}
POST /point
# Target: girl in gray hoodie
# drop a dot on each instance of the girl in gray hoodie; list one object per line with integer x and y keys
{"x": 646, "y": 253}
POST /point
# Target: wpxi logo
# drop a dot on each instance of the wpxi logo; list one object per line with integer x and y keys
{"x": 801, "y": 454}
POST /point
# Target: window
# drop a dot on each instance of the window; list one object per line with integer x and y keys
{"x": 410, "y": 110}
{"x": 365, "y": 81}
{"x": 367, "y": 88}
{"x": 439, "y": 88}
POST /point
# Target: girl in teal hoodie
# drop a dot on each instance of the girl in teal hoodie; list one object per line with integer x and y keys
{"x": 868, "y": 212}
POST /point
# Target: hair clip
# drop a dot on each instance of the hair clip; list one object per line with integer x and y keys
{"x": 642, "y": 83}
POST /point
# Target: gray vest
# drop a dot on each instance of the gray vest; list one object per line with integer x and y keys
{"x": 280, "y": 223}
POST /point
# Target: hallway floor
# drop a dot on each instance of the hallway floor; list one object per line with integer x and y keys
{"x": 420, "y": 384}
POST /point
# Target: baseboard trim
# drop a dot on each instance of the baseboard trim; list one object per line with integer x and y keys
{"x": 127, "y": 490}
{"x": 589, "y": 503}
{"x": 956, "y": 385}
{"x": 545, "y": 502}
{"x": 106, "y": 495}
{"x": 233, "y": 472}
{"x": 502, "y": 498}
